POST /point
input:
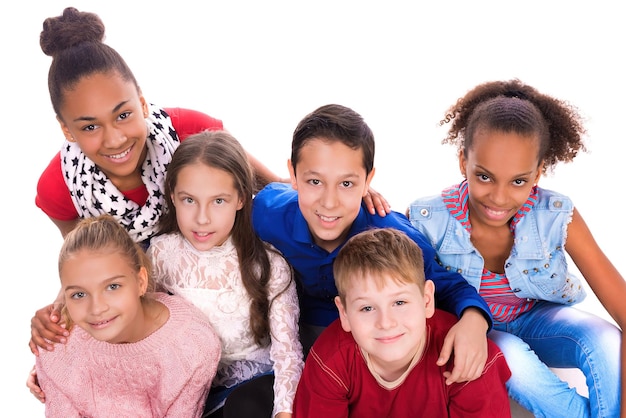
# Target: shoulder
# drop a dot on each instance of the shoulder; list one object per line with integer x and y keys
{"x": 553, "y": 201}
{"x": 163, "y": 241}
{"x": 275, "y": 200}
{"x": 426, "y": 208}
{"x": 185, "y": 319}
{"x": 187, "y": 122}
{"x": 53, "y": 196}
{"x": 276, "y": 196}
{"x": 400, "y": 222}
{"x": 335, "y": 346}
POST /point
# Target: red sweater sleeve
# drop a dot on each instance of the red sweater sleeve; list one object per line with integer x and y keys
{"x": 53, "y": 197}
{"x": 188, "y": 122}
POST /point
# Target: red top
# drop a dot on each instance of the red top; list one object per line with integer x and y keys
{"x": 336, "y": 382}
{"x": 53, "y": 196}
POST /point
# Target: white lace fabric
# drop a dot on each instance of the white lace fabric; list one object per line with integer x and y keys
{"x": 212, "y": 281}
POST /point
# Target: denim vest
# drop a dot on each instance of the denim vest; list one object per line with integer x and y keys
{"x": 537, "y": 266}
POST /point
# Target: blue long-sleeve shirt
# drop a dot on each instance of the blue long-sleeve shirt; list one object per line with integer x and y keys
{"x": 278, "y": 220}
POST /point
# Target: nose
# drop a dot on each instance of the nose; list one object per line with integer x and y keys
{"x": 203, "y": 215}
{"x": 99, "y": 305}
{"x": 499, "y": 194}
{"x": 113, "y": 137}
{"x": 386, "y": 319}
{"x": 329, "y": 198}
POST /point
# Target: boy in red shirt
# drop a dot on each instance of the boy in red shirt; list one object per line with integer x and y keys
{"x": 379, "y": 358}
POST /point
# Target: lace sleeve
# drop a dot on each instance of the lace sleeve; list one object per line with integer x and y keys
{"x": 286, "y": 350}
{"x": 156, "y": 253}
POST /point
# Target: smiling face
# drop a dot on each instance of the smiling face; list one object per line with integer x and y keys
{"x": 105, "y": 116}
{"x": 331, "y": 181}
{"x": 501, "y": 169}
{"x": 388, "y": 322}
{"x": 102, "y": 295}
{"x": 206, "y": 203}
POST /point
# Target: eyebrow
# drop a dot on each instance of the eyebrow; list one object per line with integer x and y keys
{"x": 318, "y": 174}
{"x": 90, "y": 118}
{"x": 223, "y": 195}
{"x": 106, "y": 281}
{"x": 480, "y": 167}
{"x": 400, "y": 294}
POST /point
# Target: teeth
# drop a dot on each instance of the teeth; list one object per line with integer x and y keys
{"x": 121, "y": 155}
{"x": 496, "y": 212}
{"x": 327, "y": 218}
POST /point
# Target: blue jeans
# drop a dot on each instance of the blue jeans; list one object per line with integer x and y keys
{"x": 552, "y": 335}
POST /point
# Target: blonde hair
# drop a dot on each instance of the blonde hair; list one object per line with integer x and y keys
{"x": 379, "y": 253}
{"x": 100, "y": 234}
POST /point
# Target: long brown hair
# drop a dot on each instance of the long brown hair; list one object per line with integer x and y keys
{"x": 220, "y": 150}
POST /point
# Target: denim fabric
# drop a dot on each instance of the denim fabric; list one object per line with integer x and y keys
{"x": 537, "y": 265}
{"x": 553, "y": 335}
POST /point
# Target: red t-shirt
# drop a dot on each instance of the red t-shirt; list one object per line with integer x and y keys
{"x": 336, "y": 382}
{"x": 53, "y": 196}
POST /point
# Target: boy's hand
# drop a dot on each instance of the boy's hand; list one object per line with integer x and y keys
{"x": 33, "y": 385}
{"x": 468, "y": 339}
{"x": 375, "y": 202}
{"x": 45, "y": 329}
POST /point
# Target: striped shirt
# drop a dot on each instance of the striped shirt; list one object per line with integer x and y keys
{"x": 504, "y": 305}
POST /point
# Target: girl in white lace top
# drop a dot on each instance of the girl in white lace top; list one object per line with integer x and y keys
{"x": 208, "y": 252}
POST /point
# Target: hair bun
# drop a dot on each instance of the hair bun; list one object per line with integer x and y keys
{"x": 70, "y": 29}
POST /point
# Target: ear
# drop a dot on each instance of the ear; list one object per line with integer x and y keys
{"x": 142, "y": 278}
{"x": 429, "y": 298}
{"x": 144, "y": 105}
{"x": 239, "y": 203}
{"x": 343, "y": 316}
{"x": 368, "y": 181}
{"x": 292, "y": 175}
{"x": 66, "y": 131}
{"x": 539, "y": 172}
{"x": 463, "y": 163}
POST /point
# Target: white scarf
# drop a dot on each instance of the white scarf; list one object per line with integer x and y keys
{"x": 94, "y": 194}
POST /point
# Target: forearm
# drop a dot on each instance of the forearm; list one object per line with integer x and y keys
{"x": 262, "y": 174}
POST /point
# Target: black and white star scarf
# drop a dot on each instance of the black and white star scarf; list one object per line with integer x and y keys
{"x": 94, "y": 194}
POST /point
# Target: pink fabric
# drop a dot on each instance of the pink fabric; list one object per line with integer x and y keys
{"x": 167, "y": 374}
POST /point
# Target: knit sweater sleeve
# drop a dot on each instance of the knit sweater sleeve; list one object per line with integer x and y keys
{"x": 58, "y": 404}
{"x": 191, "y": 364}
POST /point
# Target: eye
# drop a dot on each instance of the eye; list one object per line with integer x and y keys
{"x": 520, "y": 182}
{"x": 366, "y": 309}
{"x": 219, "y": 201}
{"x": 89, "y": 128}
{"x": 77, "y": 295}
{"x": 123, "y": 115}
{"x": 114, "y": 286}
{"x": 315, "y": 182}
{"x": 483, "y": 178}
{"x": 188, "y": 200}
{"x": 346, "y": 184}
{"x": 400, "y": 302}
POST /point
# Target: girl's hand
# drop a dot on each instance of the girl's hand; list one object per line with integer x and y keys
{"x": 375, "y": 202}
{"x": 33, "y": 385}
{"x": 45, "y": 329}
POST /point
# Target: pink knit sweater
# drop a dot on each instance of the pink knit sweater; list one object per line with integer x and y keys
{"x": 167, "y": 374}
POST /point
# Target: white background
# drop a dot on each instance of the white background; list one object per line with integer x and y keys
{"x": 261, "y": 66}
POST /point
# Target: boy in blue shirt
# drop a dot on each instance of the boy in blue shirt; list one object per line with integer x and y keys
{"x": 331, "y": 168}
